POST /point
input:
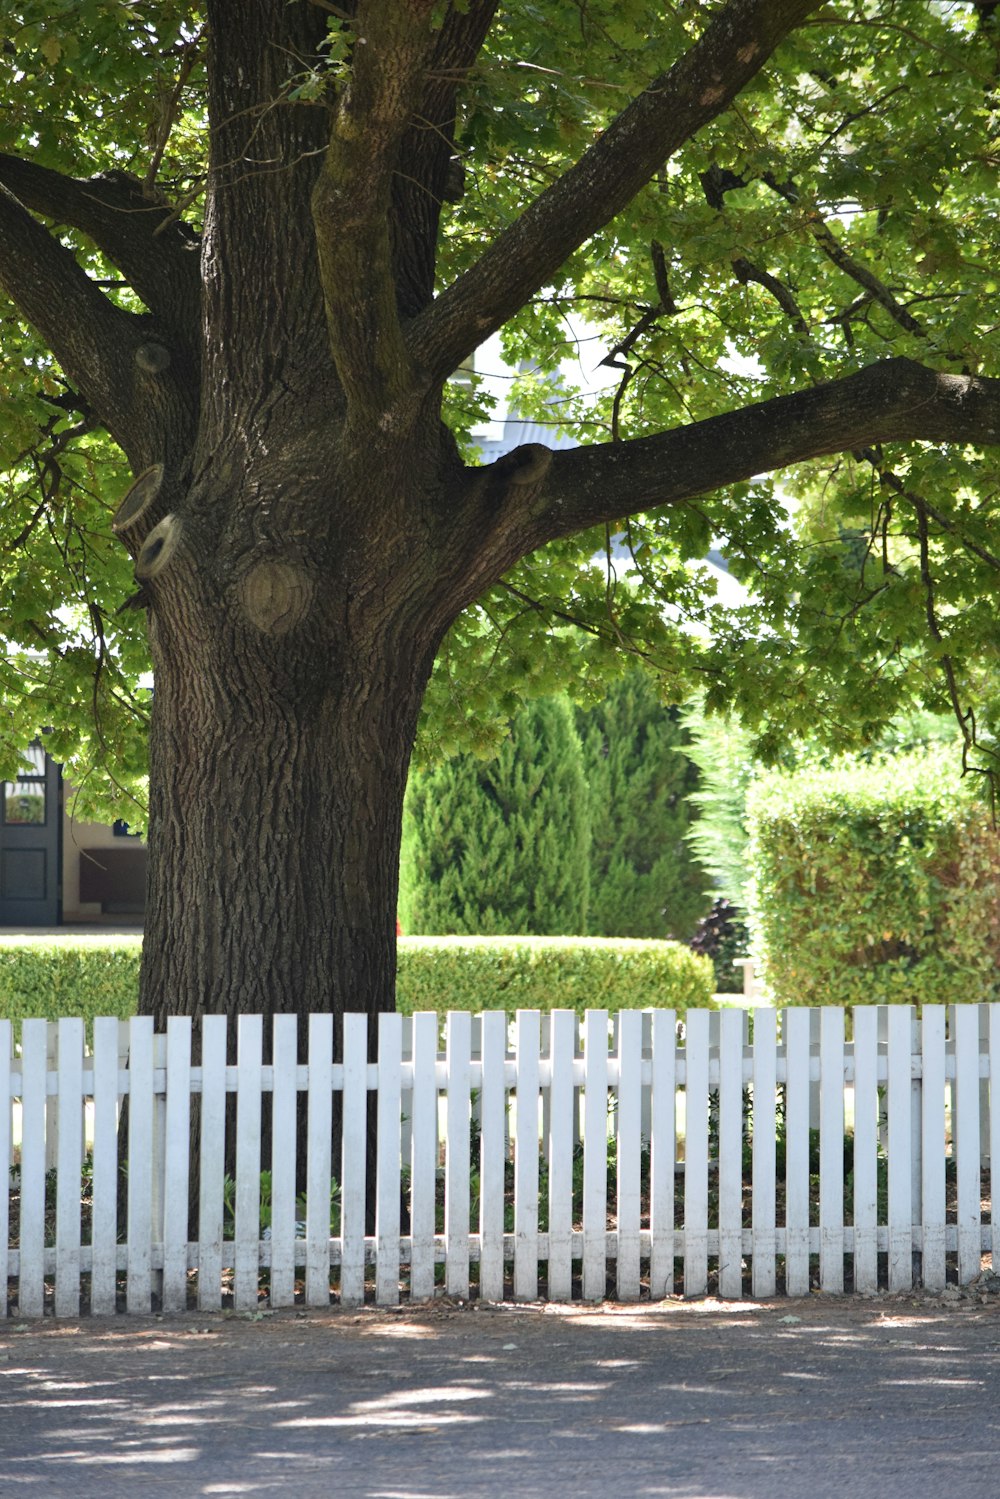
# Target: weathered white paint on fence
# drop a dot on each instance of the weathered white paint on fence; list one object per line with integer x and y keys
{"x": 494, "y": 1114}
{"x": 492, "y": 1145}
{"x": 932, "y": 1186}
{"x": 284, "y": 1097}
{"x": 595, "y": 1155}
{"x": 319, "y": 1165}
{"x": 6, "y": 1153}
{"x": 354, "y": 1162}
{"x": 389, "y": 1159}
{"x": 458, "y": 1119}
{"x": 212, "y": 1155}
{"x": 628, "y": 1155}
{"x": 526, "y": 1046}
{"x": 866, "y": 1114}
{"x": 562, "y": 1033}
{"x": 662, "y": 1115}
{"x": 765, "y": 1083}
{"x": 966, "y": 1127}
{"x": 798, "y": 1064}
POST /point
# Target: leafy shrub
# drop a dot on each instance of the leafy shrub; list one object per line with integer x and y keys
{"x": 875, "y": 883}
{"x": 539, "y": 973}
{"x": 722, "y": 936}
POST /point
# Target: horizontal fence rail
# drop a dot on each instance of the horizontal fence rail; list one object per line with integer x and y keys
{"x": 763, "y": 1152}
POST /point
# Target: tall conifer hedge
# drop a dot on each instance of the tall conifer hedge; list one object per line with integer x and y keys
{"x": 644, "y": 878}
{"x": 560, "y": 834}
{"x": 502, "y": 847}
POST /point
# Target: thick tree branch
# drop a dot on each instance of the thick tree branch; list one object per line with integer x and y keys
{"x": 433, "y": 174}
{"x": 352, "y": 198}
{"x": 898, "y": 400}
{"x": 731, "y": 51}
{"x": 160, "y": 264}
{"x": 112, "y": 357}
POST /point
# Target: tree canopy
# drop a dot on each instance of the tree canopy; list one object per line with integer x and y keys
{"x": 246, "y": 247}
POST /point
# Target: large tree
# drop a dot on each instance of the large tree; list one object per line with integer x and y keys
{"x": 247, "y": 244}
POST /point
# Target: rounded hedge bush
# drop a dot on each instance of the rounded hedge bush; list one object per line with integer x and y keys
{"x": 875, "y": 883}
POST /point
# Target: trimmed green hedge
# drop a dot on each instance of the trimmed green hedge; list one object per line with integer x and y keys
{"x": 101, "y": 977}
{"x": 94, "y": 976}
{"x": 549, "y": 973}
{"x": 874, "y": 884}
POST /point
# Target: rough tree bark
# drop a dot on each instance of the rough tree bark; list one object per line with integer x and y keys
{"x": 309, "y": 532}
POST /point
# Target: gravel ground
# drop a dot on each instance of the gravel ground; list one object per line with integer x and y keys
{"x": 894, "y": 1396}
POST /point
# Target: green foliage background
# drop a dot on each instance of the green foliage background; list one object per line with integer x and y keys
{"x": 874, "y": 130}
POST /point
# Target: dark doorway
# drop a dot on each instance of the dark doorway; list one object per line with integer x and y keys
{"x": 30, "y": 818}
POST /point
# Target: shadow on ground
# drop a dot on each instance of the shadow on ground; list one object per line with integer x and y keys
{"x": 891, "y": 1397}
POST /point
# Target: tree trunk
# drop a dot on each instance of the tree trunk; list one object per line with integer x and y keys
{"x": 288, "y": 679}
{"x": 274, "y": 834}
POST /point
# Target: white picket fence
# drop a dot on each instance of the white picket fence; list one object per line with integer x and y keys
{"x": 492, "y": 1162}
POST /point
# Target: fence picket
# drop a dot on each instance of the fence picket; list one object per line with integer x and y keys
{"x": 526, "y": 1025}
{"x": 595, "y": 1155}
{"x": 458, "y": 1120}
{"x": 140, "y": 1163}
{"x": 965, "y": 1029}
{"x": 389, "y": 1160}
{"x": 763, "y": 1165}
{"x": 34, "y": 1055}
{"x": 866, "y": 1107}
{"x": 562, "y": 1096}
{"x": 6, "y": 1155}
{"x": 628, "y": 1096}
{"x": 731, "y": 1153}
{"x": 994, "y": 1106}
{"x": 900, "y": 1210}
{"x": 211, "y": 1161}
{"x": 104, "y": 1186}
{"x": 831, "y": 1150}
{"x": 284, "y": 1157}
{"x": 424, "y": 1156}
{"x": 696, "y": 1072}
{"x": 177, "y": 1156}
{"x": 492, "y": 1143}
{"x": 319, "y": 1163}
{"x": 69, "y": 1098}
{"x": 662, "y": 1150}
{"x": 795, "y": 1031}
{"x": 354, "y": 1160}
{"x": 246, "y": 1232}
{"x": 932, "y": 1196}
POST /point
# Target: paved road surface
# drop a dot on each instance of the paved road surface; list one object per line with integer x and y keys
{"x": 897, "y": 1398}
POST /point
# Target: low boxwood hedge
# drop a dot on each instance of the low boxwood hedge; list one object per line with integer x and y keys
{"x": 550, "y": 973}
{"x": 100, "y": 976}
{"x": 88, "y": 977}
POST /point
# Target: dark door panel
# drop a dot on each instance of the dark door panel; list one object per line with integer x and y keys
{"x": 30, "y": 815}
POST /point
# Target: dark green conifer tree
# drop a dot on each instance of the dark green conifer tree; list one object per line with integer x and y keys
{"x": 644, "y": 878}
{"x": 501, "y": 847}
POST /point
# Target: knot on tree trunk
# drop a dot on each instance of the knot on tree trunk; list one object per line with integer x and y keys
{"x": 525, "y": 465}
{"x": 275, "y": 595}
